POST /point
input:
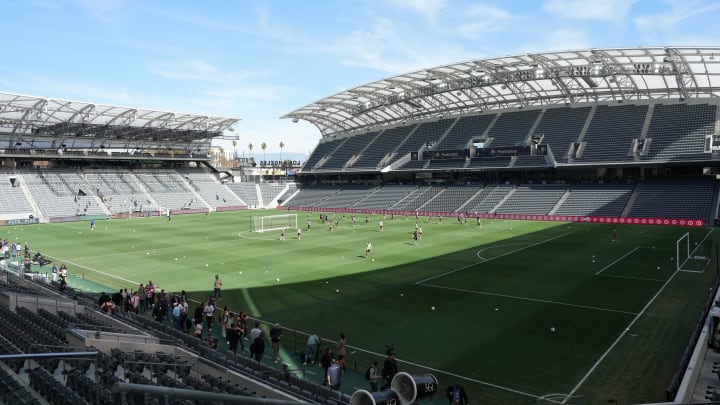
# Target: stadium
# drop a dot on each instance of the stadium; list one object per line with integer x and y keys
{"x": 542, "y": 231}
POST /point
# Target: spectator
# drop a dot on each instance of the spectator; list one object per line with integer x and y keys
{"x": 341, "y": 350}
{"x": 255, "y": 332}
{"x": 217, "y": 285}
{"x": 275, "y": 335}
{"x": 326, "y": 361}
{"x": 334, "y": 375}
{"x": 456, "y": 395}
{"x": 372, "y": 376}
{"x": 389, "y": 370}
{"x": 233, "y": 337}
{"x": 312, "y": 344}
{"x": 257, "y": 347}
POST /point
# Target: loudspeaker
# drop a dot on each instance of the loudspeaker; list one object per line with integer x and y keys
{"x": 362, "y": 397}
{"x": 411, "y": 388}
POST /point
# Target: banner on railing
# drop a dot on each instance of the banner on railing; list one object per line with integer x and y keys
{"x": 518, "y": 217}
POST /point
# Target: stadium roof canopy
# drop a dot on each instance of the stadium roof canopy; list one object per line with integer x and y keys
{"x": 28, "y": 116}
{"x": 533, "y": 79}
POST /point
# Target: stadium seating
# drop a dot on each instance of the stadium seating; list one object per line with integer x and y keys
{"x": 532, "y": 199}
{"x": 465, "y": 130}
{"x": 677, "y": 132}
{"x": 351, "y": 147}
{"x": 428, "y": 132}
{"x": 611, "y": 133}
{"x": 511, "y": 128}
{"x": 596, "y": 199}
{"x": 346, "y": 197}
{"x": 382, "y": 145}
{"x": 689, "y": 198}
{"x": 560, "y": 127}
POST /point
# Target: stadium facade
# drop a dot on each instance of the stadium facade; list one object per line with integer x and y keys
{"x": 561, "y": 127}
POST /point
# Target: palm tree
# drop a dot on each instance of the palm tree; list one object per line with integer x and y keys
{"x": 263, "y": 146}
{"x": 234, "y": 142}
{"x": 282, "y": 145}
{"x": 250, "y": 146}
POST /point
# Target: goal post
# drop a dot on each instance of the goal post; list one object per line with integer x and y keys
{"x": 264, "y": 223}
{"x": 693, "y": 253}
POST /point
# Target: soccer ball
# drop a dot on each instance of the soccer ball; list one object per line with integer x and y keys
{"x": 432, "y": 308}
{"x": 337, "y": 290}
{"x": 552, "y": 329}
{"x": 240, "y": 272}
{"x": 206, "y": 265}
{"x": 373, "y": 259}
{"x": 277, "y": 279}
{"x": 402, "y": 295}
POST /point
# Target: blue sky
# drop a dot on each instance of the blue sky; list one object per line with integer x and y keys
{"x": 258, "y": 60}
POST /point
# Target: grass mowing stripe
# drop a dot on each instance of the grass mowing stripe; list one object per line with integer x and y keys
{"x": 529, "y": 299}
{"x": 447, "y": 273}
{"x": 617, "y": 260}
{"x": 622, "y": 334}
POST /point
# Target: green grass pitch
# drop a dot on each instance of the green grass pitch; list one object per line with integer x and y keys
{"x": 621, "y": 313}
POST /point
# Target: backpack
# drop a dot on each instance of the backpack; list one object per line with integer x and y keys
{"x": 367, "y": 373}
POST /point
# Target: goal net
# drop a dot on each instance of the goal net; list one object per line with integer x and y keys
{"x": 273, "y": 222}
{"x": 693, "y": 252}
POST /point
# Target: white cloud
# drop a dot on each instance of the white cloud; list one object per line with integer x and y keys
{"x": 561, "y": 39}
{"x": 484, "y": 19}
{"x": 108, "y": 11}
{"x": 608, "y": 10}
{"x": 81, "y": 91}
{"x": 667, "y": 26}
{"x": 428, "y": 8}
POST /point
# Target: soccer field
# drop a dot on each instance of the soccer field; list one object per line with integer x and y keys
{"x": 513, "y": 310}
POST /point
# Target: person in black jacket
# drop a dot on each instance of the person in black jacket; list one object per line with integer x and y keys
{"x": 456, "y": 395}
{"x": 389, "y": 370}
{"x": 257, "y": 347}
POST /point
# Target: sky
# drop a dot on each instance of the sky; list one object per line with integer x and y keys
{"x": 259, "y": 60}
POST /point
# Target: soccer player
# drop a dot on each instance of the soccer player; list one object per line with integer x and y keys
{"x": 382, "y": 225}
{"x": 217, "y": 285}
{"x": 614, "y": 235}
{"x": 299, "y": 232}
{"x": 282, "y": 234}
{"x": 368, "y": 248}
{"x": 308, "y": 224}
{"x": 92, "y": 224}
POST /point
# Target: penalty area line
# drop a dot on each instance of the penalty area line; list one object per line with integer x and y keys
{"x": 622, "y": 334}
{"x": 530, "y": 299}
{"x": 617, "y": 260}
{"x": 447, "y": 273}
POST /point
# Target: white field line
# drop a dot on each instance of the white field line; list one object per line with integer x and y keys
{"x": 458, "y": 376}
{"x": 488, "y": 260}
{"x": 621, "y": 257}
{"x": 530, "y": 299}
{"x": 633, "y": 278}
{"x": 622, "y": 334}
{"x": 59, "y": 259}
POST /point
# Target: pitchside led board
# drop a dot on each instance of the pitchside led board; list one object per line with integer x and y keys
{"x": 517, "y": 217}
